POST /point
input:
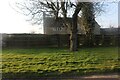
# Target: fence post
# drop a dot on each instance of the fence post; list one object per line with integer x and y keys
{"x": 58, "y": 40}
{"x": 102, "y": 41}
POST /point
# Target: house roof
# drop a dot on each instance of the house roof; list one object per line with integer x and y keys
{"x": 110, "y": 31}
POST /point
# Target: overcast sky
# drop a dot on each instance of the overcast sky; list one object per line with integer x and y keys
{"x": 14, "y": 22}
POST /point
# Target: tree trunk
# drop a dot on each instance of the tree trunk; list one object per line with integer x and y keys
{"x": 73, "y": 34}
{"x": 73, "y": 42}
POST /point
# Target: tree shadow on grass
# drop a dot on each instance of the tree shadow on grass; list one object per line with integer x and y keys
{"x": 54, "y": 75}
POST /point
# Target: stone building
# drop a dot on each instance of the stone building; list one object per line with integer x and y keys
{"x": 51, "y": 26}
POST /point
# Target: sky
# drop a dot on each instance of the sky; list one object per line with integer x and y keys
{"x": 110, "y": 16}
{"x": 14, "y": 22}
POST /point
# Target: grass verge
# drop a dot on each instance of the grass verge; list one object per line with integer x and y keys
{"x": 34, "y": 63}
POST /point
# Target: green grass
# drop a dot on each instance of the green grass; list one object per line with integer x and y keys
{"x": 53, "y": 62}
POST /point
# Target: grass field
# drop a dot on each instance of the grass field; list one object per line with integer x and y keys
{"x": 53, "y": 62}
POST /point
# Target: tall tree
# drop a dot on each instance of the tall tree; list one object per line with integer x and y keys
{"x": 88, "y": 17}
{"x": 89, "y": 12}
{"x": 73, "y": 36}
{"x": 35, "y": 8}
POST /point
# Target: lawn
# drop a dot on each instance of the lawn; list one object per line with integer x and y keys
{"x": 54, "y": 62}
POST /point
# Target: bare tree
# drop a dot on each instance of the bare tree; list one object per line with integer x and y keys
{"x": 36, "y": 8}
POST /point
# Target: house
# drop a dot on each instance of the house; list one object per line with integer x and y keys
{"x": 52, "y": 26}
{"x": 110, "y": 31}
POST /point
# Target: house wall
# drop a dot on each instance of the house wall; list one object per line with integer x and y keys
{"x": 52, "y": 26}
{"x": 110, "y": 31}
